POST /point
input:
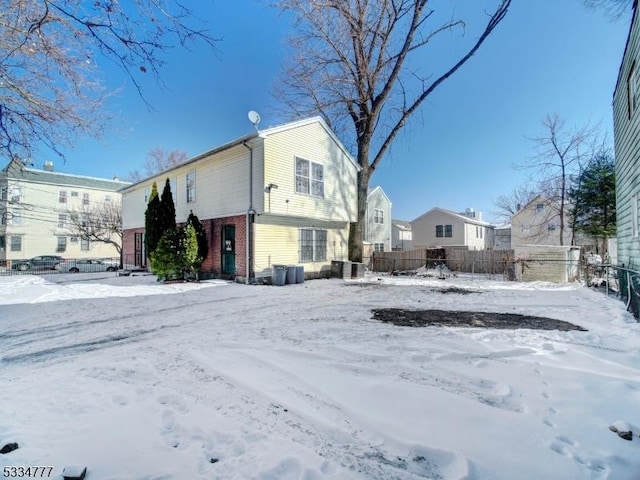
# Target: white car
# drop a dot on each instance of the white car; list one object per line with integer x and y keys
{"x": 86, "y": 266}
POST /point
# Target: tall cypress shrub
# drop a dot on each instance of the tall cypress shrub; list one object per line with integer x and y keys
{"x": 153, "y": 232}
{"x": 167, "y": 210}
{"x": 201, "y": 235}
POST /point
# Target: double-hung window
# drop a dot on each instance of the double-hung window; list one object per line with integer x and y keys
{"x": 313, "y": 245}
{"x": 378, "y": 216}
{"x": 62, "y": 220}
{"x": 62, "y": 196}
{"x": 85, "y": 199}
{"x": 16, "y": 243}
{"x": 62, "y": 244}
{"x": 191, "y": 187}
{"x": 444, "y": 231}
{"x": 309, "y": 178}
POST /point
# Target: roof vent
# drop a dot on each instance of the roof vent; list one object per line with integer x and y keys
{"x": 48, "y": 166}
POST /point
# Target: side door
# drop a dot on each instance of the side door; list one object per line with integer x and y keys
{"x": 228, "y": 253}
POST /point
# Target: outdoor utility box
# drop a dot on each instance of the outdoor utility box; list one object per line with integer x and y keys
{"x": 291, "y": 274}
{"x": 278, "y": 275}
{"x": 341, "y": 269}
{"x": 357, "y": 270}
{"x": 299, "y": 273}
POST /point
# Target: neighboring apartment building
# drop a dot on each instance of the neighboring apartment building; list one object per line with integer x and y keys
{"x": 282, "y": 195}
{"x": 378, "y": 226}
{"x": 36, "y": 207}
{"x": 626, "y": 128}
{"x": 443, "y": 228}
{"x": 401, "y": 235}
{"x": 538, "y": 223}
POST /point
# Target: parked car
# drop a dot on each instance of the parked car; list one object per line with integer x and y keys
{"x": 86, "y": 266}
{"x": 41, "y": 262}
{"x": 111, "y": 261}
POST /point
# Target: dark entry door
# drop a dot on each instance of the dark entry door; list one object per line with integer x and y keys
{"x": 229, "y": 249}
{"x": 139, "y": 254}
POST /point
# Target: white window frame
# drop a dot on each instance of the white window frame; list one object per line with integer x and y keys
{"x": 309, "y": 177}
{"x": 62, "y": 196}
{"x": 62, "y": 220}
{"x": 314, "y": 247}
{"x": 378, "y": 247}
{"x": 15, "y": 246}
{"x": 14, "y": 219}
{"x": 85, "y": 244}
{"x": 85, "y": 199}
{"x": 62, "y": 244}
{"x": 378, "y": 216}
{"x": 15, "y": 194}
{"x": 190, "y": 181}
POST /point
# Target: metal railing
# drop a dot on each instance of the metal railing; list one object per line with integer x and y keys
{"x": 31, "y": 266}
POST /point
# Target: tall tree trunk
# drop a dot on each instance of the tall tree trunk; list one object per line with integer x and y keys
{"x": 356, "y": 236}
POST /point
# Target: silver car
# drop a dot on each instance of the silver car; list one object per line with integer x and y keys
{"x": 85, "y": 266}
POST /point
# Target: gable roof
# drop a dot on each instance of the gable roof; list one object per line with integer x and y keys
{"x": 378, "y": 189}
{"x": 259, "y": 134}
{"x": 16, "y": 169}
{"x": 401, "y": 224}
{"x": 466, "y": 219}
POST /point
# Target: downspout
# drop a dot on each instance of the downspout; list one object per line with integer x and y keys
{"x": 250, "y": 212}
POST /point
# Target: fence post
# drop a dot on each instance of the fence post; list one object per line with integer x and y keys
{"x": 628, "y": 288}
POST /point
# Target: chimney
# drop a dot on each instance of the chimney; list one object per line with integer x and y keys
{"x": 48, "y": 166}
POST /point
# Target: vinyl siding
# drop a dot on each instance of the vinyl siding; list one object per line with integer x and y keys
{"x": 378, "y": 232}
{"x": 424, "y": 230}
{"x": 313, "y": 143}
{"x": 627, "y": 153}
{"x": 222, "y": 187}
{"x": 39, "y": 208}
{"x": 277, "y": 241}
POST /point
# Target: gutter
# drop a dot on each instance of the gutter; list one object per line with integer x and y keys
{"x": 249, "y": 220}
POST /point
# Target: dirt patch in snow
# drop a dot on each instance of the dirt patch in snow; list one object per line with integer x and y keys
{"x": 452, "y": 318}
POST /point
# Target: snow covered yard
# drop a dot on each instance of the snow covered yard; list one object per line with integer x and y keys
{"x": 143, "y": 381}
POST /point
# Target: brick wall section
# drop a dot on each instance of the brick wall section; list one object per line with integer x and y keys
{"x": 128, "y": 245}
{"x": 213, "y": 227}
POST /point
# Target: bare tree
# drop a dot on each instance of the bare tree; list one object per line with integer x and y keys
{"x": 158, "y": 160}
{"x": 559, "y": 154}
{"x": 614, "y": 9}
{"x": 50, "y": 85}
{"x": 101, "y": 222}
{"x": 354, "y": 62}
{"x": 508, "y": 204}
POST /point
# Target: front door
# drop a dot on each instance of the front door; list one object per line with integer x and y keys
{"x": 229, "y": 249}
{"x": 140, "y": 259}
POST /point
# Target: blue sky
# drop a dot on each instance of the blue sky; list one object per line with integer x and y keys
{"x": 547, "y": 56}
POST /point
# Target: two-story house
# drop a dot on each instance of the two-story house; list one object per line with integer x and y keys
{"x": 443, "y": 228}
{"x": 626, "y": 130}
{"x": 283, "y": 195}
{"x": 36, "y": 206}
{"x": 538, "y": 223}
{"x": 378, "y": 226}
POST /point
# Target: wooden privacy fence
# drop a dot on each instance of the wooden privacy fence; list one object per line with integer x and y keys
{"x": 456, "y": 260}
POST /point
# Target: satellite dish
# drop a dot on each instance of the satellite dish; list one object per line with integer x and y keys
{"x": 254, "y": 118}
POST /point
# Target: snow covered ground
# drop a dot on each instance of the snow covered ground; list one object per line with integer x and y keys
{"x": 143, "y": 381}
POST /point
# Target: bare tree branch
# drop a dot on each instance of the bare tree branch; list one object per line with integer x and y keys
{"x": 51, "y": 90}
{"x": 99, "y": 223}
{"x": 353, "y": 62}
{"x": 560, "y": 152}
{"x": 158, "y": 160}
